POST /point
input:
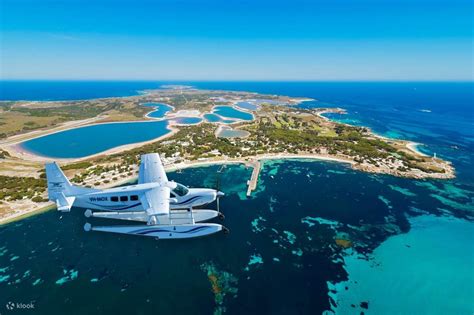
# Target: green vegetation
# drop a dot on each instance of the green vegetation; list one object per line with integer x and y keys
{"x": 17, "y": 119}
{"x": 100, "y": 170}
{"x": 4, "y": 154}
{"x": 282, "y": 130}
{"x": 276, "y": 129}
{"x": 78, "y": 165}
{"x": 20, "y": 116}
{"x": 17, "y": 188}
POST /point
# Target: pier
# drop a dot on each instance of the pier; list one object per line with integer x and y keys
{"x": 252, "y": 182}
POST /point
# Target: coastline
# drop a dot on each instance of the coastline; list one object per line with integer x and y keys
{"x": 23, "y": 214}
{"x": 13, "y": 146}
{"x": 413, "y": 146}
{"x": 250, "y": 161}
{"x": 410, "y": 145}
{"x": 16, "y": 216}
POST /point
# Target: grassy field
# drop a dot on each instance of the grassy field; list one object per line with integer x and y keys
{"x": 13, "y": 122}
{"x": 20, "y": 117}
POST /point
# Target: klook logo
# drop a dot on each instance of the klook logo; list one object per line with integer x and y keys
{"x": 10, "y": 306}
{"x": 19, "y": 306}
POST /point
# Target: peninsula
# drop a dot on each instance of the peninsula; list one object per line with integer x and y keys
{"x": 228, "y": 127}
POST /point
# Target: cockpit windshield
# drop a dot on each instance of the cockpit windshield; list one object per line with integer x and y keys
{"x": 180, "y": 190}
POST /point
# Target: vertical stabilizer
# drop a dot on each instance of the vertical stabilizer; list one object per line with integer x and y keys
{"x": 60, "y": 190}
{"x": 58, "y": 184}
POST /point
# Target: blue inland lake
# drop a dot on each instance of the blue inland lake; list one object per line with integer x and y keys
{"x": 187, "y": 120}
{"x": 212, "y": 118}
{"x": 232, "y": 133}
{"x": 160, "y": 110}
{"x": 84, "y": 141}
{"x": 230, "y": 112}
{"x": 247, "y": 105}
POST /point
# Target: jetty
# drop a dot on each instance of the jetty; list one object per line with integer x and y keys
{"x": 252, "y": 182}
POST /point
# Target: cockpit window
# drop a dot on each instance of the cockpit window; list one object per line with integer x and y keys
{"x": 180, "y": 190}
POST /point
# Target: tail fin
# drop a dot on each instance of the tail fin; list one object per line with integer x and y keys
{"x": 57, "y": 182}
{"x": 60, "y": 190}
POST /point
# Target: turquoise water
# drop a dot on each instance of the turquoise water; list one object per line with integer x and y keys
{"x": 230, "y": 112}
{"x": 215, "y": 118}
{"x": 424, "y": 277}
{"x": 276, "y": 237}
{"x": 187, "y": 120}
{"x": 212, "y": 118}
{"x": 160, "y": 109}
{"x": 84, "y": 141}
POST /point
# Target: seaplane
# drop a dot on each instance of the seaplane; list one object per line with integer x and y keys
{"x": 165, "y": 209}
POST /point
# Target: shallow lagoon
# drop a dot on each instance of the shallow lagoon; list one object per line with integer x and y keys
{"x": 89, "y": 140}
{"x": 216, "y": 118}
{"x": 230, "y": 112}
{"x": 246, "y": 105}
{"x": 227, "y": 132}
{"x": 160, "y": 110}
{"x": 187, "y": 120}
{"x": 212, "y": 118}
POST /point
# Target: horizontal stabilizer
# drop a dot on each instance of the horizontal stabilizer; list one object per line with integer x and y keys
{"x": 64, "y": 203}
{"x": 60, "y": 189}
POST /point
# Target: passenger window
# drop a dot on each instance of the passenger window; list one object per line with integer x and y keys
{"x": 123, "y": 198}
{"x": 115, "y": 199}
{"x": 134, "y": 197}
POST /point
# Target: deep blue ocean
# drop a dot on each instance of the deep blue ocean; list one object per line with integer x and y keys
{"x": 280, "y": 256}
{"x": 70, "y": 90}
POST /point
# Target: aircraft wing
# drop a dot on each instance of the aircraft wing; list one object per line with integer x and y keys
{"x": 157, "y": 205}
{"x": 151, "y": 170}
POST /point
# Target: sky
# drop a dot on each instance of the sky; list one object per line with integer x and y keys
{"x": 324, "y": 40}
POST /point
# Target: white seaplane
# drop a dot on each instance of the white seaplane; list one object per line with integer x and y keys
{"x": 165, "y": 206}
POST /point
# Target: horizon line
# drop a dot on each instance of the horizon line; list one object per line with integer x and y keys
{"x": 238, "y": 80}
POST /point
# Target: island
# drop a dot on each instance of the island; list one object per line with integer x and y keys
{"x": 203, "y": 127}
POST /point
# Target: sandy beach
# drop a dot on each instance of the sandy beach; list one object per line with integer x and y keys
{"x": 413, "y": 146}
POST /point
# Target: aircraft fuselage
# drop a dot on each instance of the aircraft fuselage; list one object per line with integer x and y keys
{"x": 128, "y": 198}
